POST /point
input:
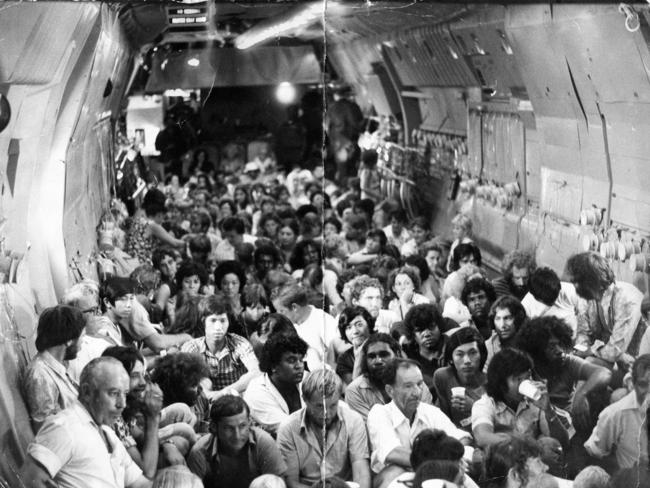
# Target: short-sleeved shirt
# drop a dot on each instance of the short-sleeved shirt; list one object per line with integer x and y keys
{"x": 444, "y": 380}
{"x": 346, "y": 443}
{"x": 621, "y": 430}
{"x": 47, "y": 387}
{"x": 260, "y": 456}
{"x": 388, "y": 428}
{"x": 528, "y": 420}
{"x": 71, "y": 449}
{"x": 267, "y": 405}
{"x": 361, "y": 396}
{"x": 229, "y": 364}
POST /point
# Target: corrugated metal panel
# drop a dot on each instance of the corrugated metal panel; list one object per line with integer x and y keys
{"x": 487, "y": 49}
{"x": 423, "y": 57}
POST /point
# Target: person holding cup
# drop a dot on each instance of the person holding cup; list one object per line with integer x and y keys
{"x": 462, "y": 382}
{"x": 514, "y": 404}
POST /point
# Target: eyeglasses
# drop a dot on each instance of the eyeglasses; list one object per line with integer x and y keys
{"x": 92, "y": 311}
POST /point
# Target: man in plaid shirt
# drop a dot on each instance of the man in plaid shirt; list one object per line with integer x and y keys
{"x": 230, "y": 357}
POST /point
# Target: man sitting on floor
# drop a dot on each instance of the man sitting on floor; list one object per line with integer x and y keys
{"x": 77, "y": 447}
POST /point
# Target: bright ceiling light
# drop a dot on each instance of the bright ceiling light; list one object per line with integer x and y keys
{"x": 193, "y": 62}
{"x": 285, "y": 93}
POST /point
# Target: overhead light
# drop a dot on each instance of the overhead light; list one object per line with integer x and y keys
{"x": 285, "y": 93}
{"x": 193, "y": 62}
{"x": 306, "y": 15}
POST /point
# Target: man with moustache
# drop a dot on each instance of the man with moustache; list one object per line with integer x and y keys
{"x": 367, "y": 390}
{"x": 77, "y": 447}
{"x": 393, "y": 427}
{"x": 506, "y": 317}
{"x": 47, "y": 388}
{"x": 518, "y": 265}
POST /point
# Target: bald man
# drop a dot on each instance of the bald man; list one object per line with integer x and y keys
{"x": 77, "y": 447}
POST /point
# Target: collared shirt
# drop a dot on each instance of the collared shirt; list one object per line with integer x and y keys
{"x": 261, "y": 455}
{"x": 267, "y": 405}
{"x": 389, "y": 428}
{"x": 47, "y": 387}
{"x": 527, "y": 420}
{"x": 565, "y": 307}
{"x": 71, "y": 449}
{"x": 621, "y": 429}
{"x": 361, "y": 396}
{"x": 307, "y": 461}
{"x": 229, "y": 364}
{"x": 319, "y": 331}
{"x": 493, "y": 346}
{"x": 610, "y": 331}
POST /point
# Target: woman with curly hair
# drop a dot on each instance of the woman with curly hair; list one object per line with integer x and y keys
{"x": 506, "y": 316}
{"x": 548, "y": 341}
{"x": 402, "y": 284}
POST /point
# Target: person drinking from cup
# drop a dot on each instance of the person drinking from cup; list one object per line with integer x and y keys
{"x": 515, "y": 404}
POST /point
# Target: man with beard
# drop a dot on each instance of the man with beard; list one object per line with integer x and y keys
{"x": 179, "y": 376}
{"x": 517, "y": 267}
{"x": 47, "y": 388}
{"x": 506, "y": 316}
{"x": 478, "y": 296}
{"x": 392, "y": 427}
{"x": 368, "y": 293}
{"x": 325, "y": 438}
{"x": 610, "y": 323}
{"x": 548, "y": 340}
{"x": 77, "y": 447}
{"x": 367, "y": 390}
{"x": 275, "y": 395}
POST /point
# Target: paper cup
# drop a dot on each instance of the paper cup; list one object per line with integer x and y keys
{"x": 528, "y": 389}
{"x": 458, "y": 391}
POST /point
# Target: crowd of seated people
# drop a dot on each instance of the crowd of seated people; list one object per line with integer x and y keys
{"x": 271, "y": 330}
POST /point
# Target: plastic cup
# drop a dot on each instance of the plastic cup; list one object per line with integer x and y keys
{"x": 458, "y": 391}
{"x": 528, "y": 389}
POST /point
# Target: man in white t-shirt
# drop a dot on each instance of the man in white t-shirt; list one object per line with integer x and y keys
{"x": 314, "y": 326}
